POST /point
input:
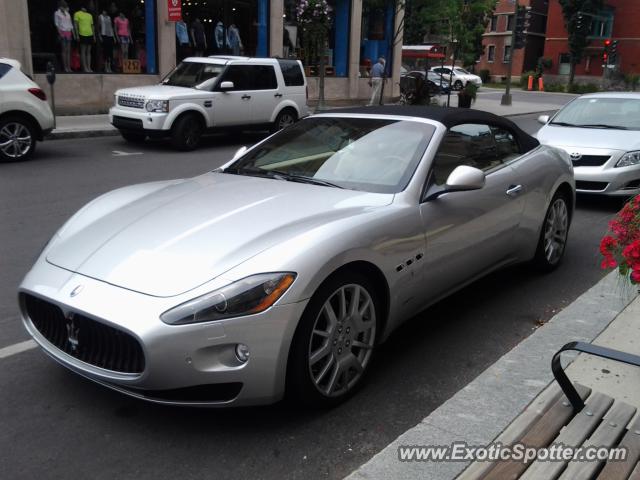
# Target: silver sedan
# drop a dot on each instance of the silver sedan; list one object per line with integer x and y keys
{"x": 283, "y": 270}
{"x": 601, "y": 133}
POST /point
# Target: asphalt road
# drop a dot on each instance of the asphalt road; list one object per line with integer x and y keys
{"x": 58, "y": 425}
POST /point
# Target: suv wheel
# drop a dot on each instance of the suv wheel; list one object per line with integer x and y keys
{"x": 17, "y": 139}
{"x": 186, "y": 132}
{"x": 133, "y": 137}
{"x": 285, "y": 118}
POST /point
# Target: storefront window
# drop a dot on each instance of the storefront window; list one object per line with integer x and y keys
{"x": 223, "y": 27}
{"x": 296, "y": 36}
{"x": 93, "y": 36}
{"x": 377, "y": 34}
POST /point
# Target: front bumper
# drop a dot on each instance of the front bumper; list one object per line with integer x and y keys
{"x": 183, "y": 365}
{"x": 132, "y": 119}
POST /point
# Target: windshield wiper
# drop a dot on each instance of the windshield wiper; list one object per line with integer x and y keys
{"x": 564, "y": 124}
{"x": 602, "y": 125}
{"x": 280, "y": 175}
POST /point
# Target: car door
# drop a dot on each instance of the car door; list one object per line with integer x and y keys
{"x": 264, "y": 92}
{"x": 468, "y": 233}
{"x": 233, "y": 107}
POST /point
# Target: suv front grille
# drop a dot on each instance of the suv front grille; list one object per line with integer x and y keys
{"x": 85, "y": 339}
{"x": 131, "y": 102}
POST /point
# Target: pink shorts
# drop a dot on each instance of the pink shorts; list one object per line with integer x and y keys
{"x": 65, "y": 35}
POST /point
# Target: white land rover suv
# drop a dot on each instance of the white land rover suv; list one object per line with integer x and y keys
{"x": 206, "y": 93}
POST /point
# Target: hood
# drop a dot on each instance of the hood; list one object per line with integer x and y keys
{"x": 163, "y": 92}
{"x": 622, "y": 140}
{"x": 187, "y": 233}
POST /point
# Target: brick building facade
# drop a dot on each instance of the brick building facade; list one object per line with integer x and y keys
{"x": 619, "y": 20}
{"x": 497, "y": 39}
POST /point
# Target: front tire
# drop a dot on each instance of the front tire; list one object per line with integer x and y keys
{"x": 553, "y": 235}
{"x": 285, "y": 118}
{"x": 334, "y": 343}
{"x": 458, "y": 85}
{"x": 17, "y": 139}
{"x": 186, "y": 132}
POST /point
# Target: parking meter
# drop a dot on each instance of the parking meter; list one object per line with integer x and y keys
{"x": 51, "y": 79}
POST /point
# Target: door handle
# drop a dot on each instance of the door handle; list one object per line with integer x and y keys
{"x": 245, "y": 97}
{"x": 514, "y": 190}
{"x": 278, "y": 95}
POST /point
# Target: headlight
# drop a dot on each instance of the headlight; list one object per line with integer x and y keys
{"x": 157, "y": 106}
{"x": 250, "y": 295}
{"x": 629, "y": 158}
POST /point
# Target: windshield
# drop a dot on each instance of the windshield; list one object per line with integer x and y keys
{"x": 462, "y": 70}
{"x": 367, "y": 154}
{"x": 193, "y": 74}
{"x": 619, "y": 113}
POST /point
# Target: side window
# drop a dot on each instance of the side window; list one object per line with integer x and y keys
{"x": 506, "y": 145}
{"x": 262, "y": 77}
{"x": 292, "y": 73}
{"x": 4, "y": 68}
{"x": 468, "y": 144}
{"x": 239, "y": 75}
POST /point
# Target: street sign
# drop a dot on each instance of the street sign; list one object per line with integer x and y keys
{"x": 175, "y": 10}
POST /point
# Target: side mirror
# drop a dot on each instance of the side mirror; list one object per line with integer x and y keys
{"x": 543, "y": 119}
{"x": 225, "y": 86}
{"x": 462, "y": 179}
{"x": 239, "y": 153}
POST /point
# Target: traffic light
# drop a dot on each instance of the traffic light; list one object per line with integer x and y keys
{"x": 606, "y": 50}
{"x": 613, "y": 51}
{"x": 523, "y": 22}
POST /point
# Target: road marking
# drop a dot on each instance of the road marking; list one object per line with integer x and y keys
{"x": 120, "y": 153}
{"x": 17, "y": 348}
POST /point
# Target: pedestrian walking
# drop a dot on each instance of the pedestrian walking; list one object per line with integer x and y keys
{"x": 377, "y": 73}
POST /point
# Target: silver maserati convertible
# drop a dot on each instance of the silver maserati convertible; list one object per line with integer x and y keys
{"x": 282, "y": 271}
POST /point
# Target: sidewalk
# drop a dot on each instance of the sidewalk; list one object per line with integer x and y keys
{"x": 78, "y": 126}
{"x": 607, "y": 315}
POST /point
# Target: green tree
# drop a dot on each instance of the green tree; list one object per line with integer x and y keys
{"x": 577, "y": 21}
{"x": 460, "y": 23}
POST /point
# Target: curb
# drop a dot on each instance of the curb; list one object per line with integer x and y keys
{"x": 481, "y": 410}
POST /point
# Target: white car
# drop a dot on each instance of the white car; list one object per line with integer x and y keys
{"x": 206, "y": 93}
{"x": 601, "y": 134}
{"x": 458, "y": 76}
{"x": 25, "y": 115}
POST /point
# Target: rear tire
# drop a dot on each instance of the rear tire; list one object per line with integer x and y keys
{"x": 17, "y": 138}
{"x": 458, "y": 85}
{"x": 333, "y": 346}
{"x": 133, "y": 137}
{"x": 186, "y": 132}
{"x": 553, "y": 234}
{"x": 285, "y": 118}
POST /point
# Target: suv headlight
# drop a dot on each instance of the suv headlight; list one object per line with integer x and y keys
{"x": 250, "y": 295}
{"x": 157, "y": 106}
{"x": 629, "y": 158}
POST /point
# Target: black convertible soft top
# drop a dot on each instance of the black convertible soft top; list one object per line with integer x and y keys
{"x": 449, "y": 117}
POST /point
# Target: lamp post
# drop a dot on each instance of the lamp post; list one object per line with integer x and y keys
{"x": 506, "y": 96}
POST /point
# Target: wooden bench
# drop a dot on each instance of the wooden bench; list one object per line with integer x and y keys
{"x": 573, "y": 416}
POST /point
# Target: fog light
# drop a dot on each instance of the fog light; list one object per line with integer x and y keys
{"x": 242, "y": 352}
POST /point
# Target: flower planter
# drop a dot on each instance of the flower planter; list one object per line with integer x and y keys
{"x": 464, "y": 101}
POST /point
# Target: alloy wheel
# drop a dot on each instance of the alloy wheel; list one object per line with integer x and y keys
{"x": 15, "y": 140}
{"x": 555, "y": 231}
{"x": 342, "y": 340}
{"x": 285, "y": 120}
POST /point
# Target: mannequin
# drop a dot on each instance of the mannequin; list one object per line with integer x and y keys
{"x": 182, "y": 34}
{"x": 123, "y": 30}
{"x": 64, "y": 25}
{"x": 86, "y": 36}
{"x": 218, "y": 38}
{"x": 198, "y": 37}
{"x": 107, "y": 39}
{"x": 233, "y": 40}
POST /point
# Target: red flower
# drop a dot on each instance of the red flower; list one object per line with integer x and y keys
{"x": 635, "y": 276}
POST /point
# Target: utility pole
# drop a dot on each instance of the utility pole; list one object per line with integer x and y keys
{"x": 506, "y": 97}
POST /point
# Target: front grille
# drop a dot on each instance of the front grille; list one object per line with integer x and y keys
{"x": 131, "y": 102}
{"x": 593, "y": 186}
{"x": 85, "y": 339}
{"x": 590, "y": 160}
{"x": 127, "y": 123}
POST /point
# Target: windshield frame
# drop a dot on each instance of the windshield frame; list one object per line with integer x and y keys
{"x": 208, "y": 84}
{"x": 556, "y": 120}
{"x": 422, "y": 151}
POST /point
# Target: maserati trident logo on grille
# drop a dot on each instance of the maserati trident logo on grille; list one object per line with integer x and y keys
{"x": 76, "y": 290}
{"x": 72, "y": 333}
{"x": 575, "y": 156}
